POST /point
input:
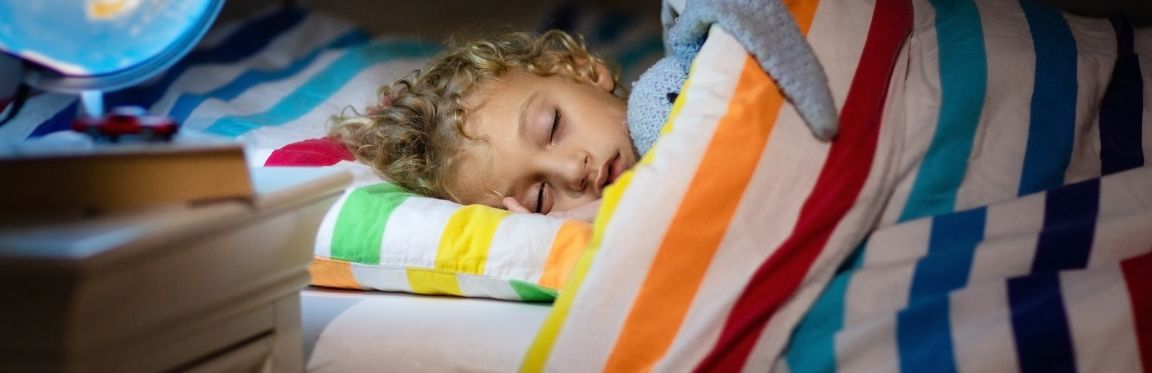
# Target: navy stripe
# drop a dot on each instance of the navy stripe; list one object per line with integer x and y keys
{"x": 923, "y": 332}
{"x": 188, "y": 102}
{"x": 1052, "y": 124}
{"x": 59, "y": 122}
{"x": 1122, "y": 107}
{"x": 1069, "y": 226}
{"x": 1040, "y": 324}
{"x": 244, "y": 42}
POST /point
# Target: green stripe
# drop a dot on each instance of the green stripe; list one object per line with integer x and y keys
{"x": 530, "y": 292}
{"x": 360, "y": 225}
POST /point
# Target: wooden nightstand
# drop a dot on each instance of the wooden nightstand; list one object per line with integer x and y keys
{"x": 210, "y": 288}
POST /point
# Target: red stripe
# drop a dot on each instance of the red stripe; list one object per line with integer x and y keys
{"x": 311, "y": 152}
{"x": 1138, "y": 276}
{"x": 839, "y": 184}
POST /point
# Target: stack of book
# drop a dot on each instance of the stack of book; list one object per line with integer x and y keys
{"x": 79, "y": 176}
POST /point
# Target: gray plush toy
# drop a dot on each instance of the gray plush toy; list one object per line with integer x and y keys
{"x": 767, "y": 30}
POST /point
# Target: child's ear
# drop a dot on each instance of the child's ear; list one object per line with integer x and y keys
{"x": 604, "y": 78}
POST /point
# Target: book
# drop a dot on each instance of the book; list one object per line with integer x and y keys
{"x": 84, "y": 176}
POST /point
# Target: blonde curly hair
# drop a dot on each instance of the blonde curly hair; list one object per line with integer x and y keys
{"x": 414, "y": 132}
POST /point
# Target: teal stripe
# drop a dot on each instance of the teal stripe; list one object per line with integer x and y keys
{"x": 1053, "y": 119}
{"x": 321, "y": 86}
{"x": 813, "y": 345}
{"x": 963, "y": 80}
{"x": 360, "y": 225}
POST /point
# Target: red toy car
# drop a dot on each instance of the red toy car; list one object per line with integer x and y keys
{"x": 127, "y": 120}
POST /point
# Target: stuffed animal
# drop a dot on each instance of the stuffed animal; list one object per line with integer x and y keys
{"x": 767, "y": 30}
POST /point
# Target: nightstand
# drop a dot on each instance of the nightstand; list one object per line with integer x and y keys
{"x": 206, "y": 288}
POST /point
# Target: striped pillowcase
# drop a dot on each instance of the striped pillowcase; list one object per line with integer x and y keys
{"x": 380, "y": 237}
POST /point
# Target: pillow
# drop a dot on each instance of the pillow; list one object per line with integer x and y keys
{"x": 382, "y": 237}
{"x": 378, "y": 236}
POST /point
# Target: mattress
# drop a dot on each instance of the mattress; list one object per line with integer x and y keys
{"x": 355, "y": 331}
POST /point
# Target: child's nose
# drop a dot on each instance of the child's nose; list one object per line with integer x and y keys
{"x": 574, "y": 171}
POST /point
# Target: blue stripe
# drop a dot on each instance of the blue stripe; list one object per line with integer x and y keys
{"x": 1053, "y": 120}
{"x": 188, "y": 102}
{"x": 812, "y": 347}
{"x": 923, "y": 337}
{"x": 59, "y": 122}
{"x": 1069, "y": 226}
{"x": 923, "y": 333}
{"x": 1040, "y": 324}
{"x": 245, "y": 41}
{"x": 321, "y": 86}
{"x": 1122, "y": 107}
{"x": 963, "y": 80}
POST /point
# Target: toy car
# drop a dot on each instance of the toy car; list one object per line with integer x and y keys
{"x": 127, "y": 120}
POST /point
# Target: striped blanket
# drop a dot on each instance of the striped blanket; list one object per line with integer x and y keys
{"x": 986, "y": 207}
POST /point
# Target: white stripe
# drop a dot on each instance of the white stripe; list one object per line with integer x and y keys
{"x": 838, "y": 32}
{"x": 381, "y": 277}
{"x": 485, "y": 286}
{"x": 922, "y": 104}
{"x": 259, "y": 98}
{"x": 1095, "y": 58}
{"x": 1121, "y": 237}
{"x": 520, "y": 247}
{"x": 1124, "y": 215}
{"x": 313, "y": 32}
{"x": 1009, "y": 245}
{"x": 1024, "y": 215}
{"x": 881, "y": 285}
{"x": 996, "y": 160}
{"x": 1121, "y": 194}
{"x": 898, "y": 243}
{"x": 981, "y": 326}
{"x": 643, "y": 215}
{"x": 358, "y": 93}
{"x": 323, "y": 246}
{"x": 1100, "y": 320}
{"x": 868, "y": 346}
{"x": 412, "y": 234}
{"x": 35, "y": 111}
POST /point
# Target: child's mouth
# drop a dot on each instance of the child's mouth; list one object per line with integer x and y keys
{"x": 615, "y": 168}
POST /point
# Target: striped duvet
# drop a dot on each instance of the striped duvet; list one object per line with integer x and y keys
{"x": 986, "y": 207}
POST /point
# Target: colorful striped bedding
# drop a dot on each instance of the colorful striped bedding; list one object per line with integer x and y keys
{"x": 986, "y": 206}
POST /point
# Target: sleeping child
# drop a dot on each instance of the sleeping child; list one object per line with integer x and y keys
{"x": 532, "y": 124}
{"x": 538, "y": 124}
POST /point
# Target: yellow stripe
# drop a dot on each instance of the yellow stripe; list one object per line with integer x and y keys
{"x": 431, "y": 281}
{"x": 466, "y": 238}
{"x": 570, "y": 241}
{"x": 333, "y": 273}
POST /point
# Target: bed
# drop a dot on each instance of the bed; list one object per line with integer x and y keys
{"x": 986, "y": 207}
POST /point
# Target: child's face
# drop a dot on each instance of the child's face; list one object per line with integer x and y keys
{"x": 552, "y": 144}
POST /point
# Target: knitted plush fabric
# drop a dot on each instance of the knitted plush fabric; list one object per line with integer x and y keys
{"x": 767, "y": 30}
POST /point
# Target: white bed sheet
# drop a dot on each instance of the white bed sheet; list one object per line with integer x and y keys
{"x": 356, "y": 331}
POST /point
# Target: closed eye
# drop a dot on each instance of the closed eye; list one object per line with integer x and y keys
{"x": 555, "y": 125}
{"x": 540, "y": 199}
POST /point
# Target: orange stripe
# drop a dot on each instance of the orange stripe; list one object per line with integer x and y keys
{"x": 803, "y": 11}
{"x": 570, "y": 241}
{"x": 699, "y": 224}
{"x": 332, "y": 273}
